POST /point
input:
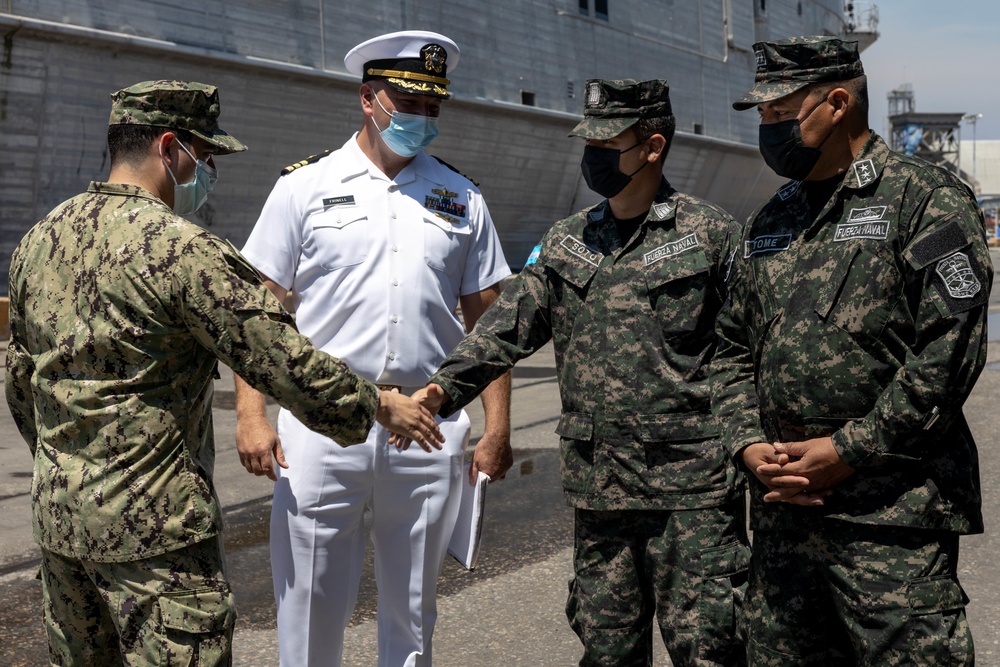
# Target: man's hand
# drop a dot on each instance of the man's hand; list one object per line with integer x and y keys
{"x": 815, "y": 461}
{"x": 405, "y": 417}
{"x": 492, "y": 456}
{"x": 766, "y": 463}
{"x": 431, "y": 397}
{"x": 256, "y": 439}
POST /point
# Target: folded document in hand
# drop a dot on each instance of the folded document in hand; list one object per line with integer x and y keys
{"x": 464, "y": 545}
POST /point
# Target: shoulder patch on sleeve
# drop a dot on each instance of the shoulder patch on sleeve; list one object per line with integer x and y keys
{"x": 301, "y": 163}
{"x": 533, "y": 257}
{"x": 940, "y": 243}
{"x": 472, "y": 180}
{"x": 956, "y": 280}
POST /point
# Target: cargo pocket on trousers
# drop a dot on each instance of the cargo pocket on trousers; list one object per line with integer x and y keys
{"x": 939, "y": 632}
{"x": 196, "y": 627}
{"x": 722, "y": 575}
{"x": 576, "y": 443}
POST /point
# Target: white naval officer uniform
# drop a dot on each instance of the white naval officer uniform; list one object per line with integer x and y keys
{"x": 376, "y": 267}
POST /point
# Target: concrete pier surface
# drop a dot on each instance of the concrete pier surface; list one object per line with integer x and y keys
{"x": 509, "y": 611}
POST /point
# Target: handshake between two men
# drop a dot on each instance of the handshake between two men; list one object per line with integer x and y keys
{"x": 404, "y": 417}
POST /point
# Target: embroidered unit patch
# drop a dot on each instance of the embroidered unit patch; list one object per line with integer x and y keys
{"x": 959, "y": 279}
{"x": 867, "y": 214}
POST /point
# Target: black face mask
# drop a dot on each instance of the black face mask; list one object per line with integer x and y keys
{"x": 600, "y": 170}
{"x": 782, "y": 149}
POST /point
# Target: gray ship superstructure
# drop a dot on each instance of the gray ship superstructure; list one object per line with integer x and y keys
{"x": 285, "y": 92}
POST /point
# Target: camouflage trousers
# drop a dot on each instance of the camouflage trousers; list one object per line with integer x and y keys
{"x": 847, "y": 594}
{"x": 171, "y": 609}
{"x": 686, "y": 567}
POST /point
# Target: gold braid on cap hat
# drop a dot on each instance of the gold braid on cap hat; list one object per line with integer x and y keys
{"x": 413, "y": 76}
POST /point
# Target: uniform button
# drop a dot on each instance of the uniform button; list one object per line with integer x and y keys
{"x": 392, "y": 355}
{"x": 395, "y": 249}
{"x": 395, "y": 319}
{"x": 393, "y": 215}
{"x": 395, "y": 283}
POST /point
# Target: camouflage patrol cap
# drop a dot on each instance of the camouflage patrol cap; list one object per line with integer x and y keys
{"x": 175, "y": 105}
{"x": 612, "y": 107}
{"x": 790, "y": 65}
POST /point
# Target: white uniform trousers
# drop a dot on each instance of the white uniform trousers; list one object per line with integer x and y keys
{"x": 317, "y": 539}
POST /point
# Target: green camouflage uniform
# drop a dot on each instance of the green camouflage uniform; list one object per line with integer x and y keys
{"x": 864, "y": 322}
{"x": 120, "y": 311}
{"x": 660, "y": 512}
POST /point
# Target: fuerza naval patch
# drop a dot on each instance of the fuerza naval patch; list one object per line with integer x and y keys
{"x": 846, "y": 231}
{"x": 958, "y": 277}
{"x": 766, "y": 243}
{"x": 670, "y": 249}
{"x": 580, "y": 249}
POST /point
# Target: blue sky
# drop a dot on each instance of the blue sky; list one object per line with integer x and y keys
{"x": 948, "y": 52}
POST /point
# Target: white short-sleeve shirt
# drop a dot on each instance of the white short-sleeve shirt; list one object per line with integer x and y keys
{"x": 377, "y": 265}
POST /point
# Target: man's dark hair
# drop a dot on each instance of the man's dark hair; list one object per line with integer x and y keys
{"x": 129, "y": 143}
{"x": 662, "y": 125}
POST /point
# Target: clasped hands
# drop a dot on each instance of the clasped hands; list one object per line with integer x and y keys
{"x": 800, "y": 473}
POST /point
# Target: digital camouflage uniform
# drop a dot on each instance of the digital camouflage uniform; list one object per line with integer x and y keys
{"x": 120, "y": 311}
{"x": 659, "y": 504}
{"x": 866, "y": 323}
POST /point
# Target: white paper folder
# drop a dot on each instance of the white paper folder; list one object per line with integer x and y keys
{"x": 464, "y": 545}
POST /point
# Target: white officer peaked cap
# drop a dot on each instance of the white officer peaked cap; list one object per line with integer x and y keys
{"x": 412, "y": 61}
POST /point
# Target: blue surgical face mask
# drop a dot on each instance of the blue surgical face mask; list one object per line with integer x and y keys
{"x": 408, "y": 133}
{"x": 189, "y": 197}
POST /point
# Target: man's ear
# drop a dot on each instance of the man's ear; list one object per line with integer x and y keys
{"x": 367, "y": 94}
{"x": 839, "y": 99}
{"x": 162, "y": 145}
{"x": 657, "y": 144}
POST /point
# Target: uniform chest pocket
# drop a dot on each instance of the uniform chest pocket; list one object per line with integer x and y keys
{"x": 576, "y": 272}
{"x": 860, "y": 295}
{"x": 678, "y": 291}
{"x": 446, "y": 244}
{"x": 340, "y": 237}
